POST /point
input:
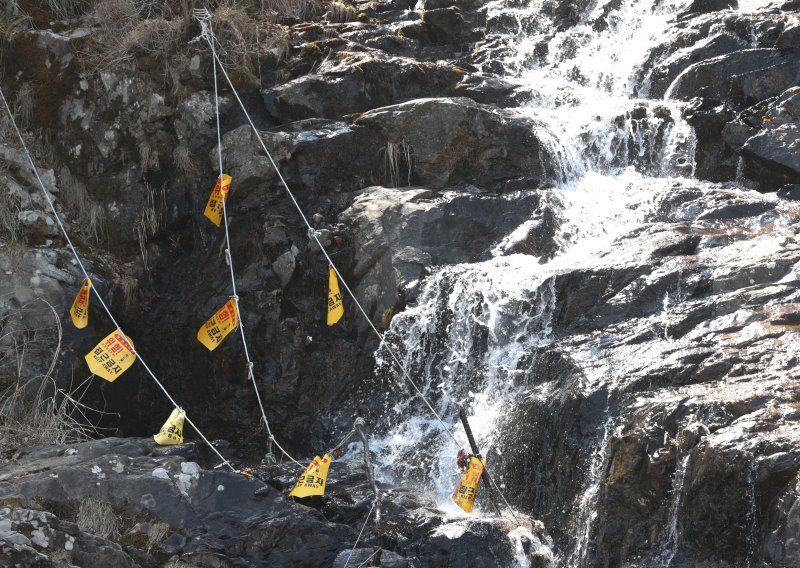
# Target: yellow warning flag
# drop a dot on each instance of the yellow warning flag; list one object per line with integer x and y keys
{"x": 171, "y": 432}
{"x": 80, "y": 307}
{"x": 219, "y": 326}
{"x": 112, "y": 356}
{"x": 218, "y": 195}
{"x": 464, "y": 495}
{"x": 312, "y": 481}
{"x": 335, "y": 306}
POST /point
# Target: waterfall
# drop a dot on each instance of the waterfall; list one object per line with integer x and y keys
{"x": 473, "y": 332}
{"x": 670, "y": 547}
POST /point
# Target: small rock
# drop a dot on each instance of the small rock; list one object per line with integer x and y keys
{"x": 160, "y": 473}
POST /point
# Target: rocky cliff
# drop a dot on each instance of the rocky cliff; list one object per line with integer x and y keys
{"x": 609, "y": 284}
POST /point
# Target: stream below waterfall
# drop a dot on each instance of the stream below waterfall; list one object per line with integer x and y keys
{"x": 475, "y": 329}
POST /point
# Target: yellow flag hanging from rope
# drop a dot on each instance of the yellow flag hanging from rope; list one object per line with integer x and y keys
{"x": 464, "y": 495}
{"x": 111, "y": 357}
{"x": 219, "y": 194}
{"x": 80, "y": 307}
{"x": 171, "y": 432}
{"x": 335, "y": 305}
{"x": 312, "y": 481}
{"x": 219, "y": 326}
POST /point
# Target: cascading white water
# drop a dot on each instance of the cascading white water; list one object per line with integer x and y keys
{"x": 469, "y": 337}
{"x": 670, "y": 546}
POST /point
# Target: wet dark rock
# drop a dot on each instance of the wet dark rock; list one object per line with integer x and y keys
{"x": 163, "y": 508}
{"x": 705, "y": 6}
{"x": 483, "y": 89}
{"x": 790, "y": 192}
{"x": 459, "y": 145}
{"x": 769, "y": 153}
{"x": 639, "y": 139}
{"x": 665, "y": 73}
{"x": 789, "y": 39}
{"x": 668, "y": 379}
{"x": 715, "y": 159}
{"x": 361, "y": 84}
{"x": 466, "y": 143}
{"x": 772, "y": 155}
{"x": 401, "y": 232}
{"x": 744, "y": 76}
{"x": 736, "y": 133}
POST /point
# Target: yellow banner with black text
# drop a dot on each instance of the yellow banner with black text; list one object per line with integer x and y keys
{"x": 215, "y": 205}
{"x": 219, "y": 326}
{"x": 312, "y": 481}
{"x": 467, "y": 489}
{"x": 335, "y": 305}
{"x": 171, "y": 432}
{"x": 79, "y": 312}
{"x": 112, "y": 356}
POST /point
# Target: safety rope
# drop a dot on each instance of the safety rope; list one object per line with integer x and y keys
{"x": 370, "y": 557}
{"x": 203, "y": 16}
{"x": 358, "y": 538}
{"x": 207, "y": 33}
{"x": 94, "y": 288}
{"x": 229, "y": 261}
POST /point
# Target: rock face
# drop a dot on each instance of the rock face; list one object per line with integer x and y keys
{"x": 403, "y": 232}
{"x": 646, "y": 392}
{"x": 155, "y": 506}
{"x": 733, "y": 67}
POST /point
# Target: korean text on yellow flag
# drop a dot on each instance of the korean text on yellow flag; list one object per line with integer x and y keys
{"x": 312, "y": 481}
{"x": 335, "y": 305}
{"x": 219, "y": 326}
{"x": 171, "y": 432}
{"x": 112, "y": 356}
{"x": 80, "y": 307}
{"x": 218, "y": 195}
{"x": 464, "y": 495}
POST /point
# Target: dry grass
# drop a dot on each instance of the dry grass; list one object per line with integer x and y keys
{"x": 23, "y": 105}
{"x": 177, "y": 563}
{"x": 33, "y": 410}
{"x": 130, "y": 291}
{"x": 90, "y": 216}
{"x": 125, "y": 27}
{"x": 149, "y": 159}
{"x": 237, "y": 33}
{"x": 245, "y": 30}
{"x": 183, "y": 159}
{"x": 151, "y": 220}
{"x": 398, "y": 160}
{"x": 341, "y": 13}
{"x": 156, "y": 36}
{"x": 10, "y": 226}
{"x": 156, "y": 534}
{"x": 300, "y": 9}
{"x": 67, "y": 9}
{"x": 97, "y": 517}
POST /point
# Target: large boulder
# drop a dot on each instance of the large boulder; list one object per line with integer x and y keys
{"x": 358, "y": 83}
{"x": 455, "y": 140}
{"x": 399, "y": 233}
{"x": 766, "y": 136}
{"x": 433, "y": 142}
{"x": 745, "y": 76}
{"x": 665, "y": 72}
